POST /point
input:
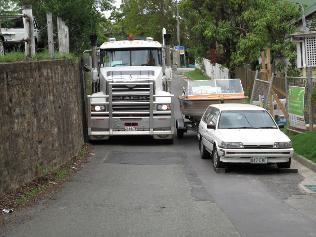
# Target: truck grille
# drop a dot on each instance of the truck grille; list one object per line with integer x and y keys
{"x": 131, "y": 99}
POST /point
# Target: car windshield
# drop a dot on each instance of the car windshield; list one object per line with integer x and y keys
{"x": 131, "y": 57}
{"x": 248, "y": 119}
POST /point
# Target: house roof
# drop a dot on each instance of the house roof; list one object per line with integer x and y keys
{"x": 309, "y": 5}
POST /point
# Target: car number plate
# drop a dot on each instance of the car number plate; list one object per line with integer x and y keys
{"x": 259, "y": 160}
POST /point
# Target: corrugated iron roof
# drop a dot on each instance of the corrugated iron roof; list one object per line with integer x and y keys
{"x": 309, "y": 5}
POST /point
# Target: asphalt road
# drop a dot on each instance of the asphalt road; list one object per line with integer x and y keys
{"x": 136, "y": 187}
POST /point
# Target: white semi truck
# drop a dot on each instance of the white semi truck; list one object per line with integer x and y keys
{"x": 132, "y": 96}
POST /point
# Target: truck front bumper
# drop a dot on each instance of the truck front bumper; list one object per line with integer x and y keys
{"x": 162, "y": 127}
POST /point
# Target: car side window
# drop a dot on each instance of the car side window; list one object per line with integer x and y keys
{"x": 213, "y": 116}
{"x": 206, "y": 115}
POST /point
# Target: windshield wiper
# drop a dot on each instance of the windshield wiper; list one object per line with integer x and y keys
{"x": 266, "y": 127}
{"x": 241, "y": 128}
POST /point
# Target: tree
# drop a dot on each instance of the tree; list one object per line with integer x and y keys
{"x": 238, "y": 29}
{"x": 83, "y": 17}
{"x": 148, "y": 17}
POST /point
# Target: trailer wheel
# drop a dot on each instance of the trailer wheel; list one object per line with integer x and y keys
{"x": 180, "y": 133}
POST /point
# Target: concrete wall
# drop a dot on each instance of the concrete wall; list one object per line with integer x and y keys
{"x": 216, "y": 71}
{"x": 41, "y": 119}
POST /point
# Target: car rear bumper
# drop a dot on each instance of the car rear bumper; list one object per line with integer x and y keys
{"x": 246, "y": 155}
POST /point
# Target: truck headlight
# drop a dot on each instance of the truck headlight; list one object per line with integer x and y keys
{"x": 163, "y": 107}
{"x": 282, "y": 145}
{"x": 232, "y": 145}
{"x": 98, "y": 108}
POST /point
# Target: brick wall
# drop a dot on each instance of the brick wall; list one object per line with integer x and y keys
{"x": 41, "y": 118}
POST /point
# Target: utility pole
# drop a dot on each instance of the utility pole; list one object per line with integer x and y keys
{"x": 178, "y": 24}
{"x": 177, "y": 52}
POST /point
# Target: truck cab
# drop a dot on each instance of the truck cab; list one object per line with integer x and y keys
{"x": 132, "y": 98}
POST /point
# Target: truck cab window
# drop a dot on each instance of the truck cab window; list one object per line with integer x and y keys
{"x": 131, "y": 57}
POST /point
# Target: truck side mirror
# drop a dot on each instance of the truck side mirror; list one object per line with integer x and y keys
{"x": 211, "y": 126}
{"x": 86, "y": 68}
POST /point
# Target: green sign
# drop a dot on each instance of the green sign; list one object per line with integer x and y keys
{"x": 296, "y": 100}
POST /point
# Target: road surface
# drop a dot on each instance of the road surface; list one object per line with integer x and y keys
{"x": 136, "y": 187}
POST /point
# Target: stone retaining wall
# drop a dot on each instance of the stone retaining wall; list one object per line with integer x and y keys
{"x": 41, "y": 119}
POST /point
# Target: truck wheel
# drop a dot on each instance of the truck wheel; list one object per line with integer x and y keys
{"x": 216, "y": 160}
{"x": 180, "y": 133}
{"x": 284, "y": 165}
{"x": 203, "y": 152}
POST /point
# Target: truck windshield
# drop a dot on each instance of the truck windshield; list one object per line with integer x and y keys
{"x": 243, "y": 119}
{"x": 130, "y": 57}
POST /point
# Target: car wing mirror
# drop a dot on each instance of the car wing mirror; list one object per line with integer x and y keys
{"x": 211, "y": 126}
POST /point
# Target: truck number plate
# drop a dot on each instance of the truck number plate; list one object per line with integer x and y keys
{"x": 130, "y": 128}
{"x": 259, "y": 160}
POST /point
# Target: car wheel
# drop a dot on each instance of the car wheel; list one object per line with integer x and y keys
{"x": 284, "y": 165}
{"x": 216, "y": 160}
{"x": 203, "y": 152}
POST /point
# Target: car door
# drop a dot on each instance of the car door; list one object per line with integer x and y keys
{"x": 202, "y": 125}
{"x": 209, "y": 135}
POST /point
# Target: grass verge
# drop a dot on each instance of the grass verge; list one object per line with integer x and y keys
{"x": 304, "y": 144}
{"x": 196, "y": 74}
{"x": 44, "y": 186}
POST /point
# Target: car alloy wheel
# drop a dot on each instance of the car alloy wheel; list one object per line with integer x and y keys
{"x": 216, "y": 160}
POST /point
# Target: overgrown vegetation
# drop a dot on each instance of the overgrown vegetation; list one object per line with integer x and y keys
{"x": 20, "y": 56}
{"x": 196, "y": 74}
{"x": 234, "y": 32}
{"x": 83, "y": 17}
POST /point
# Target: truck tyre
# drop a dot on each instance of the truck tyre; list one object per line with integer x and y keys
{"x": 203, "y": 152}
{"x": 284, "y": 165}
{"x": 216, "y": 160}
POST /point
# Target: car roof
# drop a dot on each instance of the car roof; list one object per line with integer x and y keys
{"x": 236, "y": 106}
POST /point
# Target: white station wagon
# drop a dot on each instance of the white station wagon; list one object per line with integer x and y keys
{"x": 242, "y": 133}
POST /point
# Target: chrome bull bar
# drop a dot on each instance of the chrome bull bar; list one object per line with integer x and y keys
{"x": 110, "y": 114}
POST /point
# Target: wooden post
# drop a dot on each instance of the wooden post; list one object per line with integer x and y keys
{"x": 63, "y": 36}
{"x": 309, "y": 85}
{"x": 29, "y": 29}
{"x": 50, "y": 34}
{"x": 1, "y": 42}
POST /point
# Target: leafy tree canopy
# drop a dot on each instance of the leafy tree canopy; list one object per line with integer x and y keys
{"x": 238, "y": 29}
{"x": 83, "y": 17}
{"x": 148, "y": 17}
